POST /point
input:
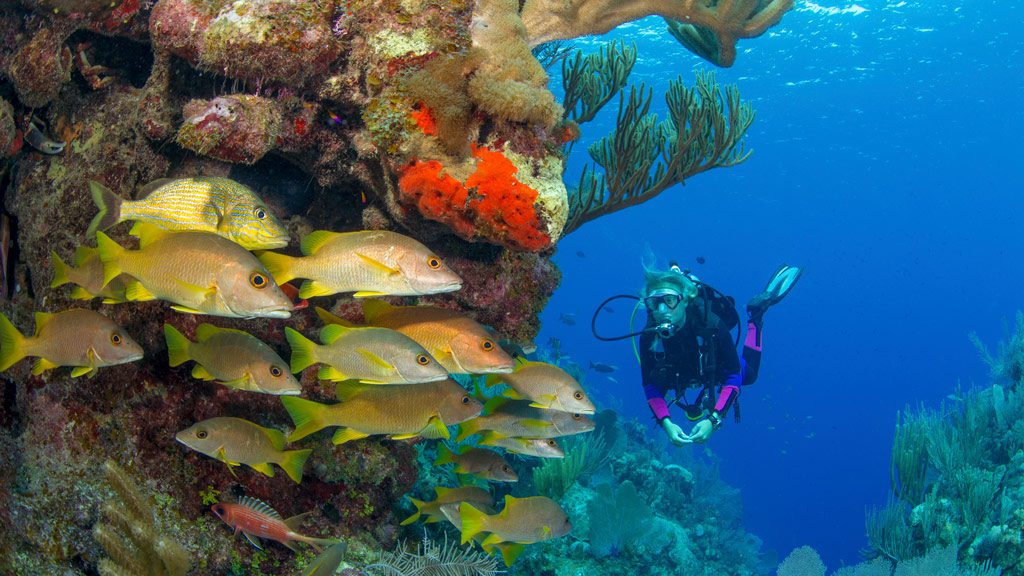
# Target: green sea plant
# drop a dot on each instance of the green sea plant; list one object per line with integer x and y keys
{"x": 643, "y": 157}
{"x": 1007, "y": 365}
{"x": 432, "y": 558}
{"x": 130, "y": 535}
{"x": 618, "y": 519}
{"x": 584, "y": 455}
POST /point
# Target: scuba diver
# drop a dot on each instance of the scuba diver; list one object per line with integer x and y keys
{"x": 687, "y": 348}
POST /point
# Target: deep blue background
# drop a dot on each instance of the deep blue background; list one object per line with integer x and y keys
{"x": 886, "y": 162}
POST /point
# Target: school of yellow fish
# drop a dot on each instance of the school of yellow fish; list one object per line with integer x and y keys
{"x": 195, "y": 237}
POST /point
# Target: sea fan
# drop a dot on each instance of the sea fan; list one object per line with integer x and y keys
{"x": 435, "y": 559}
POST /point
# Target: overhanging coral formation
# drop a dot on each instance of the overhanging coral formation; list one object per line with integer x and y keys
{"x": 727, "y": 20}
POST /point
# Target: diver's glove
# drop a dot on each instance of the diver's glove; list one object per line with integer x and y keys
{"x": 674, "y": 432}
{"x": 703, "y": 429}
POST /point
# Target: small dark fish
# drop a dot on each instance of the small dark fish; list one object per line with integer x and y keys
{"x": 701, "y": 260}
{"x": 567, "y": 319}
{"x": 602, "y": 367}
{"x": 581, "y": 254}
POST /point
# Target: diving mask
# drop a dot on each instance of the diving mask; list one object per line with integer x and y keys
{"x": 670, "y": 298}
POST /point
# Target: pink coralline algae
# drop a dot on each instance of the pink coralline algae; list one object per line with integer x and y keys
{"x": 238, "y": 128}
{"x": 277, "y": 41}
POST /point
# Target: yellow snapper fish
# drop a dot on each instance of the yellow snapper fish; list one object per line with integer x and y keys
{"x": 235, "y": 358}
{"x": 369, "y": 355}
{"x": 235, "y": 441}
{"x": 87, "y": 273}
{"x": 454, "y": 339}
{"x": 367, "y": 262}
{"x": 400, "y": 411}
{"x": 479, "y": 497}
{"x": 539, "y": 447}
{"x": 480, "y": 462}
{"x": 521, "y": 521}
{"x": 206, "y": 203}
{"x": 199, "y": 272}
{"x": 517, "y": 418}
{"x": 84, "y": 339}
{"x": 546, "y": 385}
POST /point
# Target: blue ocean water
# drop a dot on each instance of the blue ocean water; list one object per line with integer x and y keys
{"x": 886, "y": 163}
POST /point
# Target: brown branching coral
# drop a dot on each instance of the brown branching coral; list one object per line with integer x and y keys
{"x": 705, "y": 131}
{"x": 726, "y": 20}
{"x": 130, "y": 535}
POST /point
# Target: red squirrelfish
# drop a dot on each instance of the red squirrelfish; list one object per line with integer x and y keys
{"x": 255, "y": 519}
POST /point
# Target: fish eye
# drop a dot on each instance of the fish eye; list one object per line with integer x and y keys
{"x": 260, "y": 213}
{"x": 218, "y": 509}
{"x": 258, "y": 280}
{"x": 551, "y": 442}
{"x": 116, "y": 339}
{"x": 506, "y": 469}
{"x": 422, "y": 360}
{"x": 465, "y": 399}
{"x": 487, "y": 345}
{"x": 578, "y": 395}
{"x": 276, "y": 371}
{"x": 577, "y": 416}
{"x": 434, "y": 262}
{"x": 202, "y": 434}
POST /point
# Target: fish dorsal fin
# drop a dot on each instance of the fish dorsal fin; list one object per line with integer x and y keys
{"x": 84, "y": 253}
{"x": 441, "y": 491}
{"x": 374, "y": 309}
{"x": 42, "y": 319}
{"x": 377, "y": 264}
{"x": 152, "y": 186}
{"x": 147, "y": 233}
{"x": 332, "y": 332}
{"x": 494, "y": 403}
{"x": 522, "y": 363}
{"x": 349, "y": 389}
{"x": 276, "y": 438}
{"x": 509, "y": 500}
{"x": 206, "y": 331}
{"x": 374, "y": 360}
{"x": 329, "y": 318}
{"x": 316, "y": 240}
{"x": 259, "y": 506}
{"x": 295, "y": 522}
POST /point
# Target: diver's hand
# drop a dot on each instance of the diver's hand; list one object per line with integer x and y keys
{"x": 702, "y": 431}
{"x": 675, "y": 433}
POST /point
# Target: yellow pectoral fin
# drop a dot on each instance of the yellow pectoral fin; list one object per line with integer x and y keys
{"x": 243, "y": 383}
{"x": 434, "y": 429}
{"x": 186, "y": 310}
{"x": 378, "y": 265}
{"x": 374, "y": 360}
{"x": 81, "y": 370}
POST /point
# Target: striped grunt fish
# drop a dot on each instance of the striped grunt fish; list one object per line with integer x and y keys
{"x": 206, "y": 204}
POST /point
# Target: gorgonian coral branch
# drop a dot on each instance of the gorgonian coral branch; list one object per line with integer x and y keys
{"x": 726, "y": 20}
{"x": 642, "y": 157}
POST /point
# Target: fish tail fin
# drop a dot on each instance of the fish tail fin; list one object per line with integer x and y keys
{"x": 280, "y": 266}
{"x": 12, "y": 344}
{"x": 445, "y": 455}
{"x": 416, "y": 515}
{"x": 307, "y": 415}
{"x": 293, "y": 463}
{"x": 110, "y": 254}
{"x": 177, "y": 346}
{"x": 473, "y": 521}
{"x": 303, "y": 350}
{"x": 467, "y": 429}
{"x": 60, "y": 271}
{"x": 109, "y": 205}
{"x": 318, "y": 543}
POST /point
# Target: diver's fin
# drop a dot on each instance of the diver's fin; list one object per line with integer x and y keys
{"x": 782, "y": 282}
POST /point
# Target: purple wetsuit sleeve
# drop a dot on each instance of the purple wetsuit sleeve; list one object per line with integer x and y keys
{"x": 656, "y": 400}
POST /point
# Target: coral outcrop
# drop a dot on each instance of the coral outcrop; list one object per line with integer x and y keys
{"x": 428, "y": 117}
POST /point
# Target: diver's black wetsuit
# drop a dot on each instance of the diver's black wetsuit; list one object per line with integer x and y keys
{"x": 674, "y": 363}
